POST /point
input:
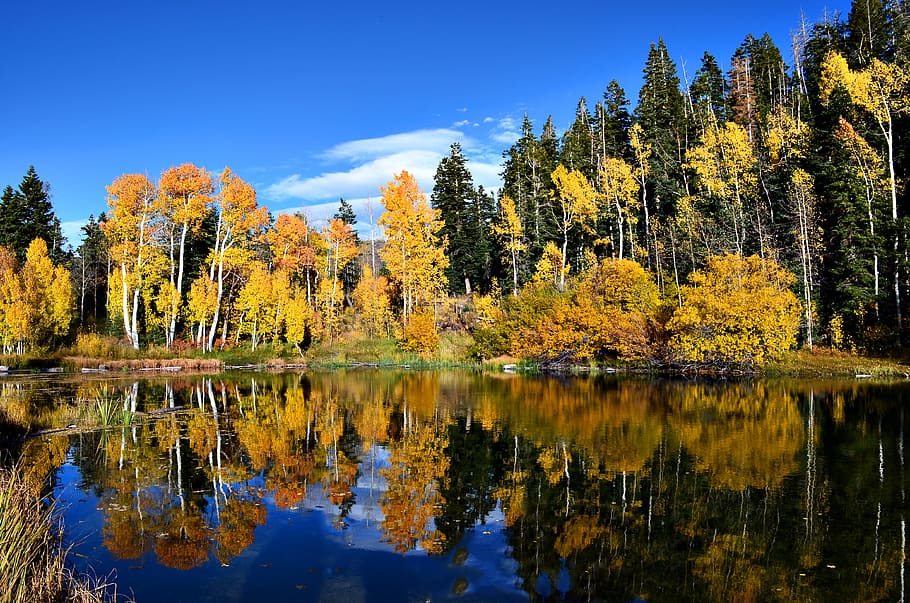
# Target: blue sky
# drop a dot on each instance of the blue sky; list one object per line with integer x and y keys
{"x": 310, "y": 102}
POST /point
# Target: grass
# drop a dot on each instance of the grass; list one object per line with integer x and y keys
{"x": 33, "y": 560}
{"x": 824, "y": 362}
{"x": 356, "y": 349}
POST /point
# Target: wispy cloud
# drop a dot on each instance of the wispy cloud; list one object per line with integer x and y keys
{"x": 361, "y": 167}
{"x": 369, "y": 148}
{"x": 72, "y": 230}
{"x": 505, "y": 131}
{"x": 461, "y": 124}
{"x": 358, "y": 181}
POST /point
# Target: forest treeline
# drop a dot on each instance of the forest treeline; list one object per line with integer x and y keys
{"x": 722, "y": 220}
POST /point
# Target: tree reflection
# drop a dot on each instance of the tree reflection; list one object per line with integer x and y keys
{"x": 602, "y": 488}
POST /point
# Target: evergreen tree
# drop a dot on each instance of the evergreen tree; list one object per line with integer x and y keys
{"x": 12, "y": 212}
{"x": 578, "y": 150}
{"x": 869, "y": 33}
{"x": 90, "y": 269}
{"x": 613, "y": 123}
{"x": 708, "y": 93}
{"x": 345, "y": 212}
{"x": 28, "y": 215}
{"x": 464, "y": 223}
{"x": 661, "y": 116}
{"x": 758, "y": 81}
{"x": 350, "y": 272}
{"x": 526, "y": 180}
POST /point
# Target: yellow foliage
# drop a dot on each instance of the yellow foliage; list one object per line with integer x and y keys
{"x": 420, "y": 334}
{"x": 36, "y": 301}
{"x": 413, "y": 253}
{"x": 738, "y": 311}
{"x": 371, "y": 299}
{"x": 547, "y": 271}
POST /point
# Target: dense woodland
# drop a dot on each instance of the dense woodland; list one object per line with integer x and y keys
{"x": 722, "y": 220}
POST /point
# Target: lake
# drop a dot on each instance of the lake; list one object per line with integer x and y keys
{"x": 375, "y": 485}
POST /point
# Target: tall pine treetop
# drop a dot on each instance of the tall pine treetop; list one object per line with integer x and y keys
{"x": 28, "y": 214}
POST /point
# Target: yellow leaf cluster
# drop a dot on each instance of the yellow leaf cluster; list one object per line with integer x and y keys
{"x": 739, "y": 310}
{"x": 36, "y": 300}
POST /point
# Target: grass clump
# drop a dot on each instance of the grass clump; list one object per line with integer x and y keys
{"x": 33, "y": 563}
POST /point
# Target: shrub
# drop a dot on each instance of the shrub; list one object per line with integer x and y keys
{"x": 420, "y": 334}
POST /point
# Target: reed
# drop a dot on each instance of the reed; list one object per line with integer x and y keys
{"x": 33, "y": 560}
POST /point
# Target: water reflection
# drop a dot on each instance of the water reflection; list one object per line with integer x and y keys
{"x": 597, "y": 488}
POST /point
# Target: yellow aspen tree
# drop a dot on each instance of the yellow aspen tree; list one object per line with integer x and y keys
{"x": 551, "y": 268}
{"x": 241, "y": 221}
{"x": 620, "y": 188}
{"x": 510, "y": 231}
{"x": 256, "y": 303}
{"x": 36, "y": 301}
{"x": 413, "y": 252}
{"x": 296, "y": 247}
{"x": 9, "y": 296}
{"x": 341, "y": 248}
{"x": 299, "y": 320}
{"x": 371, "y": 299}
{"x": 577, "y": 202}
{"x": 57, "y": 299}
{"x": 641, "y": 152}
{"x": 131, "y": 230}
{"x": 725, "y": 164}
{"x": 881, "y": 90}
{"x": 184, "y": 196}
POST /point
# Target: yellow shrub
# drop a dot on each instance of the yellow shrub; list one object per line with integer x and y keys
{"x": 420, "y": 334}
{"x": 737, "y": 311}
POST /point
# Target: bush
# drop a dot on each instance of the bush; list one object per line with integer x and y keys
{"x": 738, "y": 311}
{"x": 94, "y": 345}
{"x": 420, "y": 334}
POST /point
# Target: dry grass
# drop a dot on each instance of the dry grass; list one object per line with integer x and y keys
{"x": 32, "y": 557}
{"x": 833, "y": 363}
{"x": 134, "y": 364}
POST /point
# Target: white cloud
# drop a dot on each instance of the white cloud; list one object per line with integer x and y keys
{"x": 361, "y": 150}
{"x": 360, "y": 167}
{"x": 461, "y": 124}
{"x": 488, "y": 120}
{"x": 72, "y": 230}
{"x": 360, "y": 181}
{"x": 505, "y": 131}
{"x": 319, "y": 213}
{"x": 462, "y": 110}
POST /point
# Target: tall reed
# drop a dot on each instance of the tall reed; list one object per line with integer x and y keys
{"x": 32, "y": 556}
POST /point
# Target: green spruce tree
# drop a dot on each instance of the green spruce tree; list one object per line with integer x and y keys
{"x": 464, "y": 223}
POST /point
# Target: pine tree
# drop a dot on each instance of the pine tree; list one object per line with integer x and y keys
{"x": 464, "y": 223}
{"x": 12, "y": 210}
{"x": 28, "y": 214}
{"x": 708, "y": 93}
{"x": 90, "y": 269}
{"x": 350, "y": 272}
{"x": 613, "y": 123}
{"x": 578, "y": 143}
{"x": 526, "y": 180}
{"x": 758, "y": 81}
{"x": 660, "y": 113}
{"x": 869, "y": 33}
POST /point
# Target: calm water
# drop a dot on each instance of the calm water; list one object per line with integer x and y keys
{"x": 400, "y": 486}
